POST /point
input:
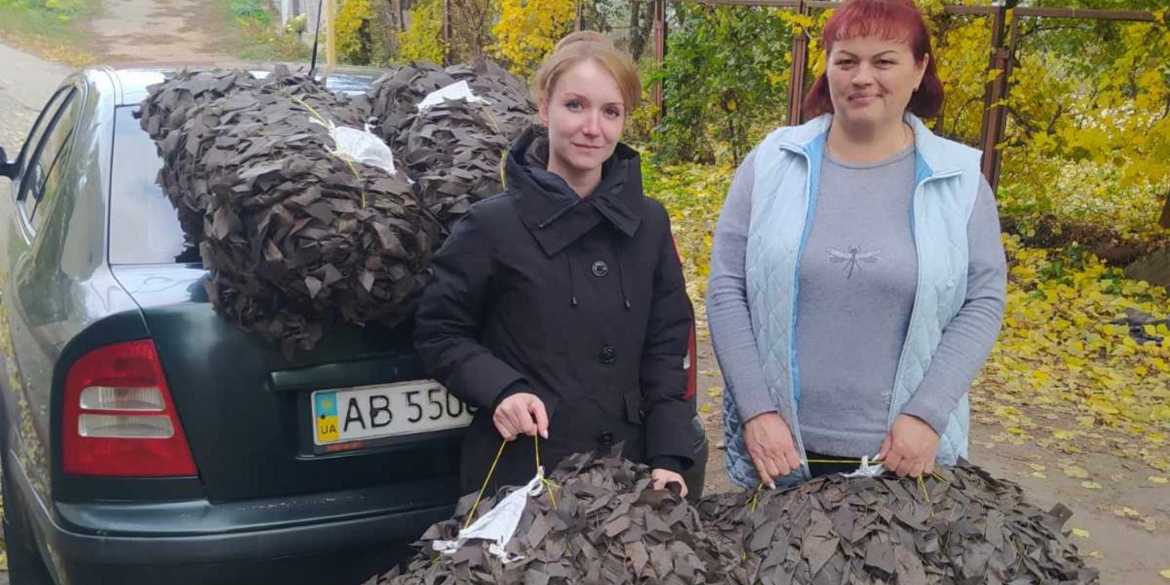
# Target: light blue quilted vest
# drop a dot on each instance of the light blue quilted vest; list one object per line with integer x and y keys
{"x": 784, "y": 198}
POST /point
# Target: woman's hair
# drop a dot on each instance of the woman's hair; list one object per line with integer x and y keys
{"x": 584, "y": 45}
{"x": 890, "y": 20}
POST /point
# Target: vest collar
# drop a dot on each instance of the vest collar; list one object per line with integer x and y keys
{"x": 932, "y": 158}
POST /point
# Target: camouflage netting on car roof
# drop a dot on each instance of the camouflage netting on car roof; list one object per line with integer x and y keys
{"x": 169, "y": 116}
{"x": 607, "y": 526}
{"x": 296, "y": 235}
{"x": 966, "y": 528}
{"x": 508, "y": 98}
{"x": 456, "y": 153}
{"x": 455, "y": 149}
{"x": 392, "y": 100}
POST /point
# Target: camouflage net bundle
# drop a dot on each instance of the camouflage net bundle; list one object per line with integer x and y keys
{"x": 296, "y": 235}
{"x": 968, "y": 528}
{"x": 393, "y": 99}
{"x": 170, "y": 115}
{"x": 607, "y": 526}
{"x": 454, "y": 150}
{"x": 508, "y": 98}
{"x": 456, "y": 154}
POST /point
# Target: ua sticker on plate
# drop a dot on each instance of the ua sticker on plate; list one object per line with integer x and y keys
{"x": 326, "y": 409}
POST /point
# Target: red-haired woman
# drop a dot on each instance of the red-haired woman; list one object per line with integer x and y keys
{"x": 858, "y": 278}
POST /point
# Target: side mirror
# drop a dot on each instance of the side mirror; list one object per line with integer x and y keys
{"x": 7, "y": 168}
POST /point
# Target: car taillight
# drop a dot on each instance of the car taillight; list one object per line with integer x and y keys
{"x": 119, "y": 419}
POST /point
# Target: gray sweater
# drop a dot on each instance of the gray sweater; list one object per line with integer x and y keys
{"x": 858, "y": 276}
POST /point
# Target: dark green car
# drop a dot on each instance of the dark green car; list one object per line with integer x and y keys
{"x": 145, "y": 439}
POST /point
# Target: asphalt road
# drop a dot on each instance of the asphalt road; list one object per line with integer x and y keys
{"x": 26, "y": 82}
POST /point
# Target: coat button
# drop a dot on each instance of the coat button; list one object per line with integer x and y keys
{"x": 600, "y": 268}
{"x": 605, "y": 439}
{"x": 608, "y": 354}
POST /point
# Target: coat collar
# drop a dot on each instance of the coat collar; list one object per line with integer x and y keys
{"x": 550, "y": 209}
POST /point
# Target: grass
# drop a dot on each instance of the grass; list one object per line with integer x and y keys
{"x": 51, "y": 29}
{"x": 261, "y": 37}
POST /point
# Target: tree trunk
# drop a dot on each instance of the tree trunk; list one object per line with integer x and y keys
{"x": 638, "y": 33}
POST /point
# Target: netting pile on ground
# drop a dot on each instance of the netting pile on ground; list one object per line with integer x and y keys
{"x": 454, "y": 149}
{"x": 966, "y": 528}
{"x": 607, "y": 526}
{"x": 296, "y": 234}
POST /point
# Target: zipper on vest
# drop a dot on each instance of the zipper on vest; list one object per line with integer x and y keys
{"x": 793, "y": 366}
{"x": 914, "y": 310}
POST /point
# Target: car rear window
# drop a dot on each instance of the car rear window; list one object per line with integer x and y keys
{"x": 144, "y": 228}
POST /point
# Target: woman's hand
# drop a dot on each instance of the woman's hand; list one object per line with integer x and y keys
{"x": 521, "y": 414}
{"x": 910, "y": 447}
{"x": 771, "y": 447}
{"x": 661, "y": 477}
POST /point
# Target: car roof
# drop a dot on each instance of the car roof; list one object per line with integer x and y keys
{"x": 132, "y": 82}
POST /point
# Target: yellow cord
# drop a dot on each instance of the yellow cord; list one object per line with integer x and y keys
{"x": 857, "y": 461}
{"x": 491, "y": 119}
{"x": 756, "y": 498}
{"x": 549, "y": 485}
{"x": 504, "y": 153}
{"x": 492, "y": 470}
{"x": 348, "y": 162}
{"x": 754, "y": 501}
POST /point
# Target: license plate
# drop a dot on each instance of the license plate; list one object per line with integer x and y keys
{"x": 373, "y": 412}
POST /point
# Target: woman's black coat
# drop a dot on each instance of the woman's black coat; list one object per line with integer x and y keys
{"x": 580, "y": 301}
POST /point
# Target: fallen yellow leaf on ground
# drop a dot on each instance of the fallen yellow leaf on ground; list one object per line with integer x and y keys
{"x": 1077, "y": 472}
{"x": 1080, "y": 533}
{"x": 1158, "y": 479}
{"x": 1090, "y": 485}
{"x": 1127, "y": 512}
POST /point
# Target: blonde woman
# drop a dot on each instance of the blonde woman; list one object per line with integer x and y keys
{"x": 558, "y": 307}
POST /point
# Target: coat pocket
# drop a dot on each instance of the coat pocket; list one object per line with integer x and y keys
{"x": 635, "y": 414}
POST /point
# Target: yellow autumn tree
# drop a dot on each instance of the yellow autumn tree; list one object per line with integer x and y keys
{"x": 527, "y": 30}
{"x": 1089, "y": 133}
{"x": 423, "y": 39}
{"x": 353, "y": 18}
